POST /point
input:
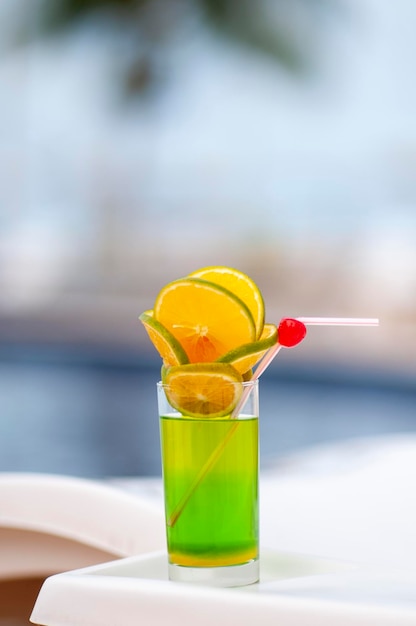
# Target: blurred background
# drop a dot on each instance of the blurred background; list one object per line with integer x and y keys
{"x": 142, "y": 139}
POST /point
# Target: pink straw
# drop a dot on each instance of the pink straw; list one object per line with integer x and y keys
{"x": 339, "y": 321}
{"x": 314, "y": 321}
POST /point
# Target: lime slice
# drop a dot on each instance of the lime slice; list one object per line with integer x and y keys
{"x": 245, "y": 357}
{"x": 165, "y": 343}
{"x": 205, "y": 318}
{"x": 203, "y": 389}
{"x": 241, "y": 286}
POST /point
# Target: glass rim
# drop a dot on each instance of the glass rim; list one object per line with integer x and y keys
{"x": 244, "y": 383}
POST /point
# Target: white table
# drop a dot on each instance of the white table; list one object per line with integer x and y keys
{"x": 338, "y": 547}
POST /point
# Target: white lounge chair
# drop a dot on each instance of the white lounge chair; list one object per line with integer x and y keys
{"x": 50, "y": 524}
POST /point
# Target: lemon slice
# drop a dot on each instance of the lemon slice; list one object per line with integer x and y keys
{"x": 240, "y": 285}
{"x": 206, "y": 319}
{"x": 165, "y": 343}
{"x": 203, "y": 389}
{"x": 245, "y": 357}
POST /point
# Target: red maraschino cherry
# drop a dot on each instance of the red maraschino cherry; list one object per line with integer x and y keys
{"x": 291, "y": 332}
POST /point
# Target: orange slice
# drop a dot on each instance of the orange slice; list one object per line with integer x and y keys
{"x": 241, "y": 286}
{"x": 203, "y": 389}
{"x": 165, "y": 343}
{"x": 205, "y": 318}
{"x": 246, "y": 356}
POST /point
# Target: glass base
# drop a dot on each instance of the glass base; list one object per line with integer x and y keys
{"x": 226, "y": 576}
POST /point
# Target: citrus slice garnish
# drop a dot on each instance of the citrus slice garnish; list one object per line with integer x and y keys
{"x": 165, "y": 343}
{"x": 240, "y": 285}
{"x": 203, "y": 389}
{"x": 246, "y": 356}
{"x": 206, "y": 319}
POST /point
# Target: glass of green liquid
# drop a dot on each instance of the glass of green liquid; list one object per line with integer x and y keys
{"x": 210, "y": 477}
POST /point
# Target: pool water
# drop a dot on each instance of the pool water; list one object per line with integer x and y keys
{"x": 97, "y": 417}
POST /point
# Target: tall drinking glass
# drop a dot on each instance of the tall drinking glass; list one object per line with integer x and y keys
{"x": 210, "y": 478}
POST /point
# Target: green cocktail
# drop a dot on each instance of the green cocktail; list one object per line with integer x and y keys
{"x": 219, "y": 525}
{"x": 210, "y": 475}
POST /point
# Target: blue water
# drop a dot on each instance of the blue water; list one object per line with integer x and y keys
{"x": 95, "y": 415}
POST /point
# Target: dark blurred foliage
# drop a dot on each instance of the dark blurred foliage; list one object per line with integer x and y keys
{"x": 285, "y": 30}
{"x": 249, "y": 23}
